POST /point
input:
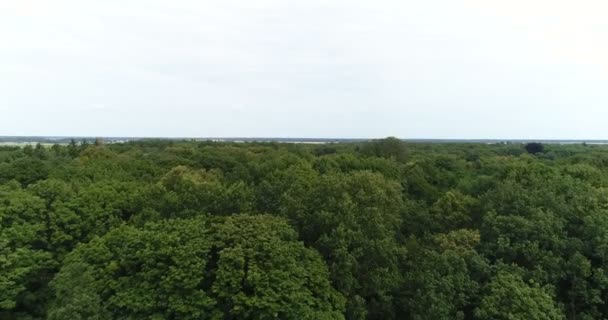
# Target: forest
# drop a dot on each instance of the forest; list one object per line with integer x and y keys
{"x": 382, "y": 229}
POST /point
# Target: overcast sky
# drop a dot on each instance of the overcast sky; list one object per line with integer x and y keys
{"x": 305, "y": 68}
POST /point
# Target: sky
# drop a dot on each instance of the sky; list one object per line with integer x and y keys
{"x": 467, "y": 69}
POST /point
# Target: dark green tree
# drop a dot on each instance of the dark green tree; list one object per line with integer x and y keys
{"x": 391, "y": 148}
{"x": 73, "y": 148}
{"x": 534, "y": 147}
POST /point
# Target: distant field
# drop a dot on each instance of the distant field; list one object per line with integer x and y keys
{"x": 49, "y": 140}
{"x": 21, "y": 144}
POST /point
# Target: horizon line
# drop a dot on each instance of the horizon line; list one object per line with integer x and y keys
{"x": 254, "y": 138}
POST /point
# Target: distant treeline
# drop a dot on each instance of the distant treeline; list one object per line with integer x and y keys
{"x": 67, "y": 140}
{"x": 381, "y": 229}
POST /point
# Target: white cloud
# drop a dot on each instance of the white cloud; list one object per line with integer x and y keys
{"x": 439, "y": 68}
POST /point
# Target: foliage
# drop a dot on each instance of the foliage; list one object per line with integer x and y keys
{"x": 241, "y": 267}
{"x": 390, "y": 148}
{"x": 534, "y": 147}
{"x": 510, "y": 298}
{"x": 163, "y": 229}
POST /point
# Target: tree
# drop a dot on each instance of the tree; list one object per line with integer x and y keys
{"x": 390, "y": 148}
{"x": 84, "y": 144}
{"x": 160, "y": 229}
{"x": 353, "y": 220}
{"x": 189, "y": 192}
{"x": 39, "y": 151}
{"x": 24, "y": 259}
{"x": 73, "y": 149}
{"x": 510, "y": 298}
{"x": 534, "y": 147}
{"x": 28, "y": 150}
{"x": 26, "y": 170}
{"x": 75, "y": 295}
{"x": 442, "y": 277}
{"x": 107, "y": 204}
{"x": 453, "y": 210}
{"x": 240, "y": 267}
{"x": 62, "y": 226}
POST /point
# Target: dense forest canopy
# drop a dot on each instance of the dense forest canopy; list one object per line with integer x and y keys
{"x": 159, "y": 229}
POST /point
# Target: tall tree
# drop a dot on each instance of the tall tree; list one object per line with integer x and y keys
{"x": 241, "y": 267}
{"x": 510, "y": 298}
